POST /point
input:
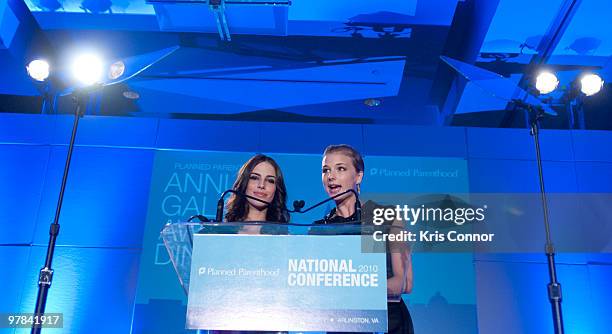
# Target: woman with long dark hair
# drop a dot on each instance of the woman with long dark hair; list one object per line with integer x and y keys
{"x": 262, "y": 178}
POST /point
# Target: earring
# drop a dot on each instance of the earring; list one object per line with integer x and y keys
{"x": 359, "y": 188}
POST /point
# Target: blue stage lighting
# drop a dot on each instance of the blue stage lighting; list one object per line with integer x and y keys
{"x": 87, "y": 69}
{"x": 38, "y": 69}
{"x": 591, "y": 84}
{"x": 546, "y": 82}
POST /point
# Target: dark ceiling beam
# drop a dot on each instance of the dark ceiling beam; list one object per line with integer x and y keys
{"x": 29, "y": 39}
{"x": 553, "y": 35}
{"x": 468, "y": 31}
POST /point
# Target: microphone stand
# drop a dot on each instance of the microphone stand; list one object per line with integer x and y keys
{"x": 298, "y": 205}
{"x": 45, "y": 276}
{"x": 554, "y": 287}
{"x": 219, "y": 214}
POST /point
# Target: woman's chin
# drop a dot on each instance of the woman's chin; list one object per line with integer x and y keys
{"x": 334, "y": 193}
{"x": 258, "y": 206}
{"x": 340, "y": 198}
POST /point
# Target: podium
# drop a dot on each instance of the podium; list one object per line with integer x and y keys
{"x": 260, "y": 276}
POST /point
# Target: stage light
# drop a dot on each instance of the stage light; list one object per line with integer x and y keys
{"x": 87, "y": 69}
{"x": 116, "y": 70}
{"x": 372, "y": 102}
{"x": 591, "y": 84}
{"x": 546, "y": 82}
{"x": 38, "y": 70}
{"x": 131, "y": 95}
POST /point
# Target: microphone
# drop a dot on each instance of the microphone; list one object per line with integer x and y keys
{"x": 357, "y": 203}
{"x": 201, "y": 218}
{"x": 298, "y": 205}
{"x": 219, "y": 215}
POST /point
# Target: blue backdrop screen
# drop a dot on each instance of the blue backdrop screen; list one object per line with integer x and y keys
{"x": 185, "y": 183}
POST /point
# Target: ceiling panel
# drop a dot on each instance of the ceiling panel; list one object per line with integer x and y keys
{"x": 273, "y": 88}
{"x": 589, "y": 32}
{"x": 517, "y": 22}
{"x": 110, "y": 7}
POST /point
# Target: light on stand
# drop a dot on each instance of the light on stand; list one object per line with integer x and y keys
{"x": 87, "y": 69}
{"x": 591, "y": 84}
{"x": 38, "y": 70}
{"x": 546, "y": 82}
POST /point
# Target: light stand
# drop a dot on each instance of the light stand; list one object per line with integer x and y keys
{"x": 40, "y": 72}
{"x": 554, "y": 287}
{"x": 590, "y": 84}
{"x": 46, "y": 273}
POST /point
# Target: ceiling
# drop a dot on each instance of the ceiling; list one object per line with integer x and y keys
{"x": 426, "y": 62}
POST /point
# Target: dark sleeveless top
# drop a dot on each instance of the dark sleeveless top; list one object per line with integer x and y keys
{"x": 367, "y": 210}
{"x": 399, "y": 320}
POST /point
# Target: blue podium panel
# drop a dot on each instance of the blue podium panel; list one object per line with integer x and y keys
{"x": 308, "y": 138}
{"x": 107, "y": 131}
{"x": 414, "y": 141}
{"x": 25, "y": 128}
{"x": 513, "y": 296}
{"x": 93, "y": 287}
{"x": 22, "y": 175}
{"x": 208, "y": 135}
{"x": 106, "y": 197}
{"x": 592, "y": 145}
{"x": 286, "y": 282}
{"x": 518, "y": 144}
{"x": 13, "y": 267}
{"x": 520, "y": 176}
